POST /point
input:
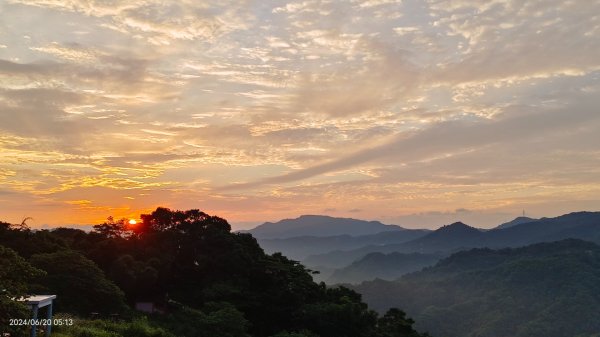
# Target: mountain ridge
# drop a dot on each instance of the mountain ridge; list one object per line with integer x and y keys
{"x": 458, "y": 236}
{"x": 516, "y": 221}
{"x": 319, "y": 225}
{"x": 300, "y": 247}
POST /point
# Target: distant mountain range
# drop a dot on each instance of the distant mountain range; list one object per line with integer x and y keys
{"x": 541, "y": 290}
{"x": 524, "y": 278}
{"x": 458, "y": 236}
{"x": 338, "y": 247}
{"x": 319, "y": 226}
{"x": 443, "y": 241}
{"x": 300, "y": 247}
{"x": 579, "y": 225}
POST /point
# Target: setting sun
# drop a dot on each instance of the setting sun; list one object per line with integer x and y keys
{"x": 132, "y": 222}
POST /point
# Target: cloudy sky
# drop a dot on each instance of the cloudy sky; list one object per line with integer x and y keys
{"x": 413, "y": 112}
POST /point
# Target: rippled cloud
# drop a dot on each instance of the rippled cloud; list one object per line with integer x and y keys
{"x": 403, "y": 111}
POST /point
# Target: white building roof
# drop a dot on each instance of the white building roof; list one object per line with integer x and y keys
{"x": 39, "y": 300}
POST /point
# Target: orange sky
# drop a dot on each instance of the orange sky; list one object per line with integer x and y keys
{"x": 414, "y": 112}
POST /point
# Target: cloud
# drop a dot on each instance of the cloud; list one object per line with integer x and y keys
{"x": 371, "y": 85}
{"x": 448, "y": 137}
{"x": 515, "y": 40}
{"x": 390, "y": 107}
{"x": 160, "y": 22}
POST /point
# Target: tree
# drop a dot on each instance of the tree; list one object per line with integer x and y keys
{"x": 79, "y": 284}
{"x": 136, "y": 278}
{"x": 15, "y": 276}
{"x": 338, "y": 313}
{"x": 214, "y": 319}
{"x": 27, "y": 242}
{"x": 164, "y": 219}
{"x": 113, "y": 229}
{"x": 395, "y": 324}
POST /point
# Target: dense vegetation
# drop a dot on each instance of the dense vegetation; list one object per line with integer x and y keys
{"x": 206, "y": 280}
{"x": 547, "y": 289}
{"x": 15, "y": 273}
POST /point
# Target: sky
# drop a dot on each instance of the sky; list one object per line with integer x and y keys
{"x": 412, "y": 112}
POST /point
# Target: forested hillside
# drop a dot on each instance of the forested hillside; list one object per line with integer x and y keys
{"x": 542, "y": 290}
{"x": 384, "y": 266}
{"x": 206, "y": 280}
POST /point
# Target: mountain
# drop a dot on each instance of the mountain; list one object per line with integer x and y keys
{"x": 319, "y": 225}
{"x": 382, "y": 266}
{"x": 577, "y": 225}
{"x": 448, "y": 238}
{"x": 541, "y": 290}
{"x": 341, "y": 258}
{"x": 458, "y": 236}
{"x": 516, "y": 221}
{"x": 300, "y": 247}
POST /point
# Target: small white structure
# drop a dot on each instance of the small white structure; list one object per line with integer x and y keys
{"x": 35, "y": 302}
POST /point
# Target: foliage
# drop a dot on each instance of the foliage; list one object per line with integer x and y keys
{"x": 15, "y": 275}
{"x": 215, "y": 319}
{"x": 139, "y": 327}
{"x": 113, "y": 229}
{"x": 548, "y": 289}
{"x": 395, "y": 324}
{"x": 209, "y": 281}
{"x": 79, "y": 284}
{"x": 27, "y": 242}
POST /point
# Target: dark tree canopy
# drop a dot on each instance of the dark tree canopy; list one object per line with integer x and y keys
{"x": 79, "y": 284}
{"x": 113, "y": 229}
{"x": 210, "y": 281}
{"x": 15, "y": 276}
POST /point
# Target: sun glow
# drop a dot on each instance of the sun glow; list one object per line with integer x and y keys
{"x": 132, "y": 222}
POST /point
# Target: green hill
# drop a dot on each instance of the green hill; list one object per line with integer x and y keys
{"x": 542, "y": 290}
{"x": 384, "y": 266}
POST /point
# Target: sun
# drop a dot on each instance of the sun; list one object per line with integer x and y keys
{"x": 132, "y": 222}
